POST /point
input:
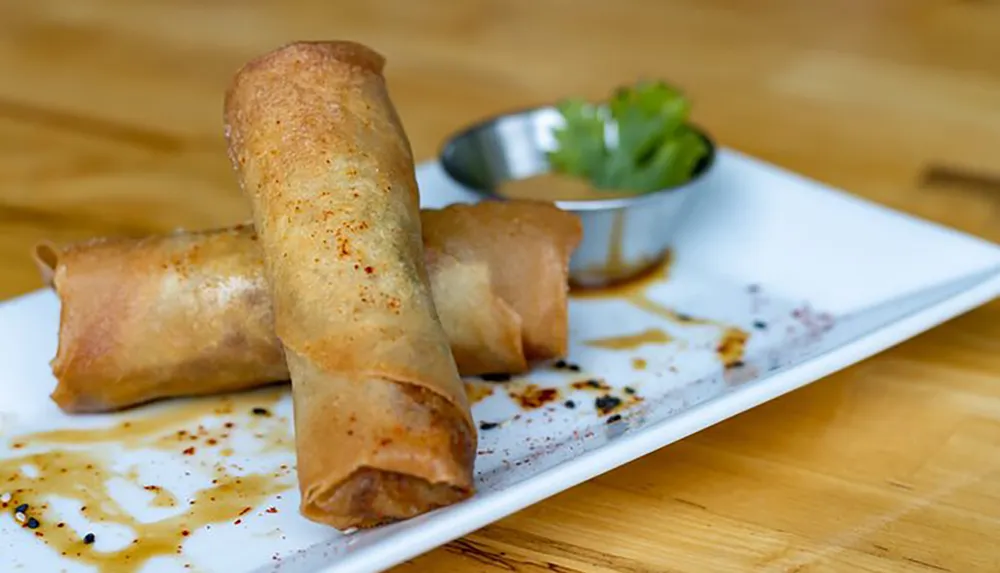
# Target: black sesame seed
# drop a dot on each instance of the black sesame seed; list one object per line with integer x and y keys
{"x": 569, "y": 404}
{"x": 684, "y": 317}
{"x": 594, "y": 383}
{"x": 760, "y": 325}
{"x": 260, "y": 412}
{"x": 607, "y": 403}
{"x": 737, "y": 364}
{"x": 488, "y": 425}
{"x": 496, "y": 377}
{"x": 33, "y": 523}
{"x": 614, "y": 418}
{"x": 573, "y": 367}
{"x": 560, "y": 363}
{"x": 23, "y": 508}
{"x": 629, "y": 390}
{"x": 89, "y": 538}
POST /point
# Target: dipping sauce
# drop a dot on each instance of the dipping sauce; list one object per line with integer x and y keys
{"x": 551, "y": 187}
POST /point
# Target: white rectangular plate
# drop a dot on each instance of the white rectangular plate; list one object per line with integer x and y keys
{"x": 818, "y": 279}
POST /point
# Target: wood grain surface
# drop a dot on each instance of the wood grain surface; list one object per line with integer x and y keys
{"x": 110, "y": 115}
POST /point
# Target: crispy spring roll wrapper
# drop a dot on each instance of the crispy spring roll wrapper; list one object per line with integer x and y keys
{"x": 383, "y": 427}
{"x": 482, "y": 328}
{"x": 174, "y": 315}
{"x": 188, "y": 313}
{"x": 534, "y": 245}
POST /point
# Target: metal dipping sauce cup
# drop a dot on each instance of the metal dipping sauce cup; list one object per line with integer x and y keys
{"x": 622, "y": 237}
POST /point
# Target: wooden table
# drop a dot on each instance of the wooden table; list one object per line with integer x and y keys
{"x": 110, "y": 124}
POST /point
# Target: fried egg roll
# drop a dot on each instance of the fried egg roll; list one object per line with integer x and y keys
{"x": 188, "y": 313}
{"x": 383, "y": 427}
{"x": 542, "y": 237}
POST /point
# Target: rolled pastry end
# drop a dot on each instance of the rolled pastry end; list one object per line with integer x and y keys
{"x": 46, "y": 257}
{"x": 416, "y": 460}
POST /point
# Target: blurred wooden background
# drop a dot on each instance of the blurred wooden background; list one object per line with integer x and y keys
{"x": 110, "y": 124}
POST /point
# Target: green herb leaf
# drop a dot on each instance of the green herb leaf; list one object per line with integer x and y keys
{"x": 581, "y": 146}
{"x": 655, "y": 148}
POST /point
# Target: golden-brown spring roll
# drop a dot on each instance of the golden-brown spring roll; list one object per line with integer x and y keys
{"x": 171, "y": 315}
{"x": 464, "y": 231}
{"x": 383, "y": 428}
{"x": 188, "y": 313}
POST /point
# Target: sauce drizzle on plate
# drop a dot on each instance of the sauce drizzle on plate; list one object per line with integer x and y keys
{"x": 75, "y": 467}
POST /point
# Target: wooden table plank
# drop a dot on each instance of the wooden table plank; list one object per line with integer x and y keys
{"x": 110, "y": 124}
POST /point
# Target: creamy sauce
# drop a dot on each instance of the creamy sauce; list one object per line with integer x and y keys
{"x": 75, "y": 471}
{"x": 630, "y": 341}
{"x": 551, "y": 187}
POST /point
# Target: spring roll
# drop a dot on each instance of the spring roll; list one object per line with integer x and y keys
{"x": 465, "y": 232}
{"x": 188, "y": 313}
{"x": 383, "y": 428}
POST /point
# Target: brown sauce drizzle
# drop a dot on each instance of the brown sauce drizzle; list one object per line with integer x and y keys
{"x": 606, "y": 404}
{"x": 161, "y": 497}
{"x": 532, "y": 396}
{"x": 631, "y": 341}
{"x": 732, "y": 345}
{"x": 616, "y": 261}
{"x": 478, "y": 391}
{"x": 657, "y": 273}
{"x": 732, "y": 342}
{"x": 642, "y": 301}
{"x": 616, "y": 271}
{"x": 591, "y": 384}
{"x": 75, "y": 470}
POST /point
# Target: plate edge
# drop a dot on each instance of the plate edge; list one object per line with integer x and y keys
{"x": 674, "y": 429}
